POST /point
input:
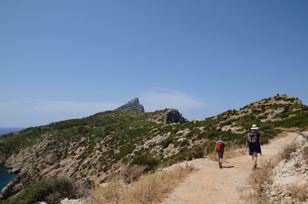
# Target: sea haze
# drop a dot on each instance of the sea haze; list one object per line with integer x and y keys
{"x": 4, "y": 131}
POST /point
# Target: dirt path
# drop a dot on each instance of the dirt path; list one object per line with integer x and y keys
{"x": 213, "y": 185}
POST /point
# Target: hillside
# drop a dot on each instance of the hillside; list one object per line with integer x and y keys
{"x": 93, "y": 149}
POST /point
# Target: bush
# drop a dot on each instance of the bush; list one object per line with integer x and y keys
{"x": 147, "y": 160}
{"x": 286, "y": 154}
{"x": 300, "y": 120}
{"x": 267, "y": 132}
{"x": 132, "y": 173}
{"x": 48, "y": 190}
{"x": 165, "y": 143}
{"x": 125, "y": 150}
{"x": 196, "y": 152}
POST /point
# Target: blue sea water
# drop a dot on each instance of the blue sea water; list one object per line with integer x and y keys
{"x": 5, "y": 177}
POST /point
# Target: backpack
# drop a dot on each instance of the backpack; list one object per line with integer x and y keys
{"x": 253, "y": 137}
{"x": 219, "y": 146}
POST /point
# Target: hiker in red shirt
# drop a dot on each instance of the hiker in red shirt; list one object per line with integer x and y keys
{"x": 220, "y": 148}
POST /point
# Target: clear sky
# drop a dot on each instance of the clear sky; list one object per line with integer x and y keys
{"x": 63, "y": 59}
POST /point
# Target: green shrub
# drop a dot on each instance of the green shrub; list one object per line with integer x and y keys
{"x": 196, "y": 152}
{"x": 125, "y": 150}
{"x": 300, "y": 120}
{"x": 184, "y": 143}
{"x": 165, "y": 143}
{"x": 147, "y": 160}
{"x": 48, "y": 190}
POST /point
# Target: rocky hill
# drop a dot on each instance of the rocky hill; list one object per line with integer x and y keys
{"x": 131, "y": 106}
{"x": 93, "y": 149}
{"x": 271, "y": 109}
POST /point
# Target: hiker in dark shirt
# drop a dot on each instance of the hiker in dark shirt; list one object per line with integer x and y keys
{"x": 253, "y": 144}
{"x": 220, "y": 148}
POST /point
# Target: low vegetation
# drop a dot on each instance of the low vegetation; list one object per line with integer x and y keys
{"x": 92, "y": 149}
{"x": 150, "y": 188}
{"x": 305, "y": 155}
{"x": 261, "y": 178}
{"x": 298, "y": 192}
{"x": 51, "y": 191}
{"x": 286, "y": 153}
{"x": 258, "y": 181}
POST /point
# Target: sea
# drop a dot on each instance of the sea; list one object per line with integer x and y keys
{"x": 6, "y": 177}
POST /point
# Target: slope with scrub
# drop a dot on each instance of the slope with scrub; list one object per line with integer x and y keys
{"x": 91, "y": 150}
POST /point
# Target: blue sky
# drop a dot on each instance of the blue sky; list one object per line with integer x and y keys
{"x": 66, "y": 59}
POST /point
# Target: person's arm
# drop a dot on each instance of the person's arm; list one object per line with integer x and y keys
{"x": 247, "y": 142}
{"x": 259, "y": 139}
{"x": 260, "y": 144}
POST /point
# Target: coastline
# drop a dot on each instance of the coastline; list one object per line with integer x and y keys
{"x": 5, "y": 176}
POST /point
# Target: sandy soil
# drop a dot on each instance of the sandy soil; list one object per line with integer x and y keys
{"x": 213, "y": 185}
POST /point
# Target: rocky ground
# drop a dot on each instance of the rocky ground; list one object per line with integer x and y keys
{"x": 290, "y": 177}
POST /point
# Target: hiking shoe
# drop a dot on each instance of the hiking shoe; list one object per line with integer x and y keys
{"x": 220, "y": 166}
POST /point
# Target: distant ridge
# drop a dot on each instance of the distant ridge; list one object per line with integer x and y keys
{"x": 131, "y": 106}
{"x": 4, "y": 131}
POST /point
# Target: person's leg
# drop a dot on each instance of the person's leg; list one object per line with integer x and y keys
{"x": 221, "y": 158}
{"x": 254, "y": 161}
{"x": 219, "y": 155}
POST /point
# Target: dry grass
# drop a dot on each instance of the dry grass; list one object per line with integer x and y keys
{"x": 299, "y": 193}
{"x": 283, "y": 134}
{"x": 148, "y": 189}
{"x": 305, "y": 154}
{"x": 111, "y": 193}
{"x": 261, "y": 178}
{"x": 232, "y": 152}
{"x": 228, "y": 154}
{"x": 286, "y": 153}
{"x": 132, "y": 173}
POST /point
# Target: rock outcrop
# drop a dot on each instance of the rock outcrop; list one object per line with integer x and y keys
{"x": 290, "y": 177}
{"x": 174, "y": 116}
{"x": 131, "y": 106}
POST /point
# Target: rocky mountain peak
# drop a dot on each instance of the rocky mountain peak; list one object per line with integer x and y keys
{"x": 131, "y": 106}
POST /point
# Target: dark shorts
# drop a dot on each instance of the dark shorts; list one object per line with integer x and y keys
{"x": 220, "y": 155}
{"x": 254, "y": 149}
